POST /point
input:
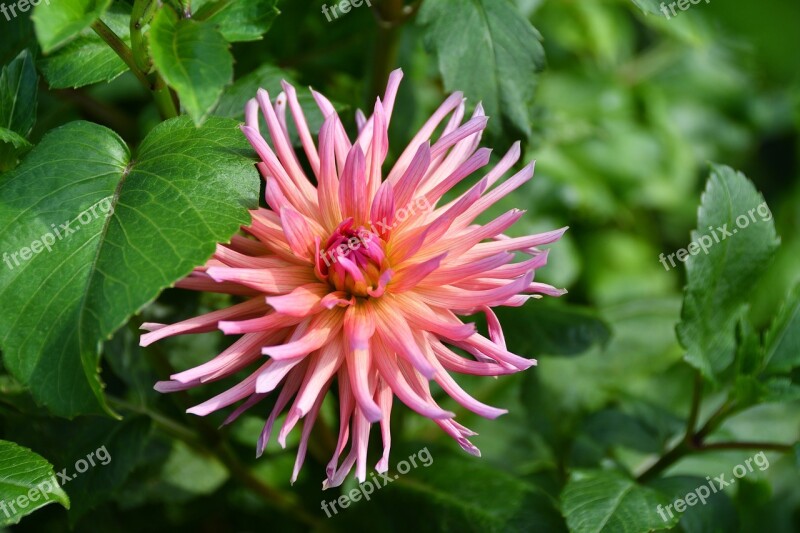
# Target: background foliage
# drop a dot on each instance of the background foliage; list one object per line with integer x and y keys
{"x": 649, "y": 379}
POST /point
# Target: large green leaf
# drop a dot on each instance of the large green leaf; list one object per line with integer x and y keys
{"x": 88, "y": 59}
{"x": 146, "y": 221}
{"x": 27, "y": 483}
{"x": 238, "y": 21}
{"x": 783, "y": 338}
{"x": 487, "y": 49}
{"x": 596, "y": 501}
{"x": 737, "y": 229}
{"x": 58, "y": 22}
{"x": 194, "y": 60}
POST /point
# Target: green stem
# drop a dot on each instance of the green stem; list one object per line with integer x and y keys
{"x": 142, "y": 13}
{"x": 161, "y": 93}
{"x": 697, "y": 395}
{"x": 770, "y": 446}
{"x": 165, "y": 98}
{"x": 693, "y": 441}
{"x": 665, "y": 461}
{"x": 122, "y": 50}
{"x": 271, "y": 496}
{"x": 391, "y": 14}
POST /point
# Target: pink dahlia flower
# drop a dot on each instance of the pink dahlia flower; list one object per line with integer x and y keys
{"x": 361, "y": 279}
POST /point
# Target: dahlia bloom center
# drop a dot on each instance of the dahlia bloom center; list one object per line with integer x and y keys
{"x": 353, "y": 261}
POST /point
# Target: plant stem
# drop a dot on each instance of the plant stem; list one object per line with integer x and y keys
{"x": 390, "y": 14}
{"x": 271, "y": 496}
{"x": 122, "y": 50}
{"x": 165, "y": 99}
{"x": 771, "y": 446}
{"x": 141, "y": 14}
{"x": 697, "y": 395}
{"x": 161, "y": 93}
{"x": 665, "y": 461}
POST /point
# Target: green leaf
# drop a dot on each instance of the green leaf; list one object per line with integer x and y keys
{"x": 547, "y": 328}
{"x": 127, "y": 228}
{"x": 269, "y": 77}
{"x": 714, "y": 513}
{"x": 18, "y": 91}
{"x": 19, "y": 85}
{"x": 194, "y": 60}
{"x": 493, "y": 57}
{"x": 12, "y": 145}
{"x": 238, "y": 21}
{"x": 783, "y": 337}
{"x": 117, "y": 447}
{"x": 27, "y": 483}
{"x": 736, "y": 227}
{"x": 797, "y": 455}
{"x": 88, "y": 59}
{"x": 16, "y": 37}
{"x": 450, "y": 492}
{"x": 58, "y": 22}
{"x": 193, "y": 473}
{"x": 595, "y": 501}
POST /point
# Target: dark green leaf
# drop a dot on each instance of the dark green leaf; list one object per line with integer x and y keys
{"x": 194, "y": 60}
{"x": 597, "y": 501}
{"x": 186, "y": 189}
{"x": 117, "y": 447}
{"x": 27, "y": 483}
{"x": 453, "y": 493}
{"x": 58, "y": 22}
{"x": 238, "y": 21}
{"x": 12, "y": 145}
{"x": 18, "y": 90}
{"x": 88, "y": 59}
{"x": 269, "y": 77}
{"x": 783, "y": 337}
{"x": 546, "y": 328}
{"x": 749, "y": 352}
{"x": 16, "y": 37}
{"x": 19, "y": 85}
{"x": 714, "y": 513}
{"x": 739, "y": 235}
{"x": 265, "y": 76}
{"x": 493, "y": 57}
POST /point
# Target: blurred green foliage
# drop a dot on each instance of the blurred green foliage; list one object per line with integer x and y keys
{"x": 623, "y": 110}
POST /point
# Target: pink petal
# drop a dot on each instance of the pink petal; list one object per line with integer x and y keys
{"x": 300, "y": 302}
{"x": 359, "y": 326}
